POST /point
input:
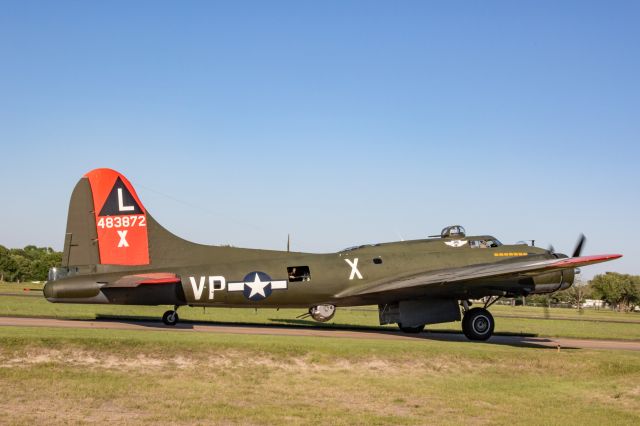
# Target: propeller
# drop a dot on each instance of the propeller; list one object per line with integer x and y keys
{"x": 577, "y": 251}
{"x": 579, "y": 245}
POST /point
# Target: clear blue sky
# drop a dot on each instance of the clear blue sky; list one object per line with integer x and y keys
{"x": 340, "y": 122}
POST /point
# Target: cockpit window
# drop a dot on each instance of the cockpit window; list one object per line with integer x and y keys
{"x": 488, "y": 243}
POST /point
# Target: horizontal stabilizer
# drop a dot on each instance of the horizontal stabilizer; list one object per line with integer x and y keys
{"x": 145, "y": 279}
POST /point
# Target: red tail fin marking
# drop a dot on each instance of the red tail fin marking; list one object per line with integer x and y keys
{"x": 121, "y": 219}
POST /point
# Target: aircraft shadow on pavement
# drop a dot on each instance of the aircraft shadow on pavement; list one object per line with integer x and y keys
{"x": 504, "y": 339}
{"x": 150, "y": 322}
{"x": 509, "y": 339}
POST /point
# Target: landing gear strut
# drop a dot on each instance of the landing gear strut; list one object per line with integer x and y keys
{"x": 171, "y": 317}
{"x": 478, "y": 323}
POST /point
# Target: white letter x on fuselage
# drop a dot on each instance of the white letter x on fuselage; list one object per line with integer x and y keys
{"x": 354, "y": 268}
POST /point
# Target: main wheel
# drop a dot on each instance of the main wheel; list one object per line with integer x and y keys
{"x": 412, "y": 330}
{"x": 170, "y": 318}
{"x": 478, "y": 324}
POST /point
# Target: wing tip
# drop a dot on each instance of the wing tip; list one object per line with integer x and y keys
{"x": 587, "y": 260}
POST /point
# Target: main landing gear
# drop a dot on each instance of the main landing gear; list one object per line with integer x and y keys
{"x": 478, "y": 323}
{"x": 171, "y": 317}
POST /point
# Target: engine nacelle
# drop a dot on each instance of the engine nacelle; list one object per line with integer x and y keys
{"x": 322, "y": 313}
{"x": 553, "y": 281}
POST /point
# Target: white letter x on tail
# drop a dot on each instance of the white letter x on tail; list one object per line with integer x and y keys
{"x": 354, "y": 268}
{"x": 123, "y": 239}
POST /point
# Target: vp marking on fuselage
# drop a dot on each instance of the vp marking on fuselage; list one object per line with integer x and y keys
{"x": 256, "y": 286}
{"x": 198, "y": 287}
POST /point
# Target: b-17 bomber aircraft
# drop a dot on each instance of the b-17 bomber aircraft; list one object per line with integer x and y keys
{"x": 115, "y": 252}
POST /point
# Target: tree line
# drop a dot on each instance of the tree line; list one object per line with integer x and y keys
{"x": 27, "y": 264}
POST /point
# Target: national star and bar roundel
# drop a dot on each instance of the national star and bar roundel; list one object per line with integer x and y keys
{"x": 121, "y": 219}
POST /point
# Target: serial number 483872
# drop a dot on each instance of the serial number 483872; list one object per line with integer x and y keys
{"x": 122, "y": 221}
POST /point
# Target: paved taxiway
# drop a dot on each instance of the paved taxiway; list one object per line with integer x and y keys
{"x": 280, "y": 330}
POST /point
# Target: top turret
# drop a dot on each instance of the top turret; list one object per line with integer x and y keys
{"x": 453, "y": 231}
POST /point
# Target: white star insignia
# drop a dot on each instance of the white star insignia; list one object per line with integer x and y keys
{"x": 257, "y": 286}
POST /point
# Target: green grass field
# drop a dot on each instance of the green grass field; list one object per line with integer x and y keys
{"x": 61, "y": 376}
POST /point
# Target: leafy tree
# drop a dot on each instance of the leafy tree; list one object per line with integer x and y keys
{"x": 22, "y": 266}
{"x": 577, "y": 293}
{"x": 622, "y": 291}
{"x": 7, "y": 265}
{"x": 30, "y": 263}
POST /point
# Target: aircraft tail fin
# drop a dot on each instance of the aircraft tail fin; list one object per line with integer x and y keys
{"x": 107, "y": 223}
{"x": 109, "y": 226}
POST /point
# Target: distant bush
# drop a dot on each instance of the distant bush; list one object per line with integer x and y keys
{"x": 28, "y": 264}
{"x": 622, "y": 291}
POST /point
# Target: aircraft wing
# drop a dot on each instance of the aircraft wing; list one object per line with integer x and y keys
{"x": 511, "y": 268}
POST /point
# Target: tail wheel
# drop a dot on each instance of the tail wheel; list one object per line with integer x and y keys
{"x": 412, "y": 330}
{"x": 478, "y": 324}
{"x": 170, "y": 318}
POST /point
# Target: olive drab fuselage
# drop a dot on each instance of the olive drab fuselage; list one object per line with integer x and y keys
{"x": 115, "y": 252}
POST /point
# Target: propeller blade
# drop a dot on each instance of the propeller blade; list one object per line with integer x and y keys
{"x": 547, "y": 302}
{"x": 578, "y": 250}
